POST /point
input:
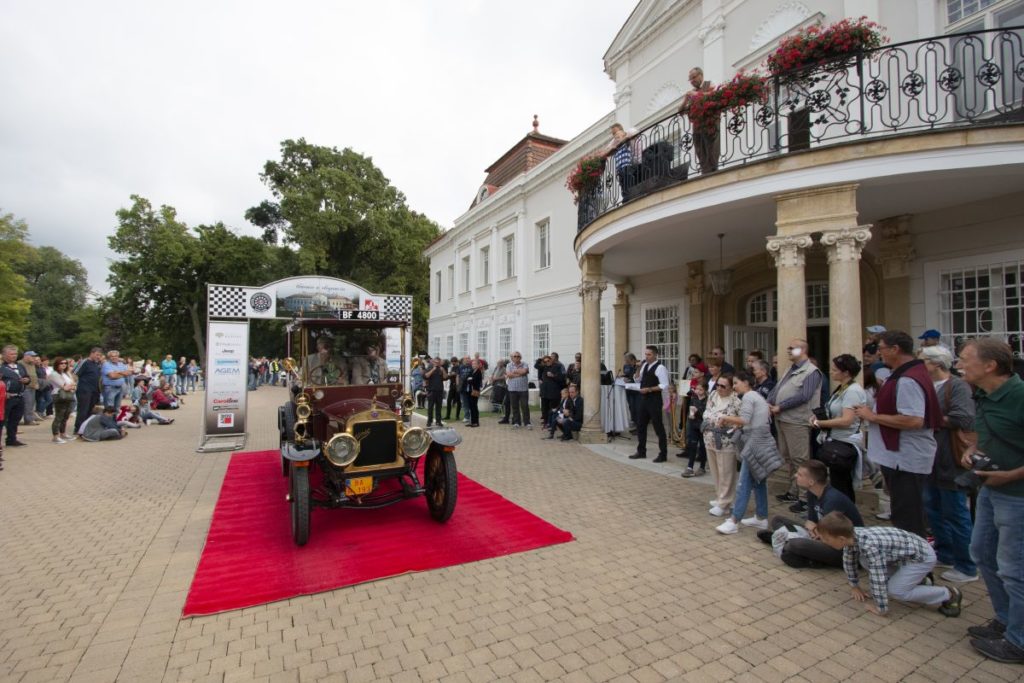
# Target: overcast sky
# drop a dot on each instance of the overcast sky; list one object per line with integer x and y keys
{"x": 184, "y": 102}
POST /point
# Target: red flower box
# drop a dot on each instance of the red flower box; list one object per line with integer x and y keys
{"x": 706, "y": 107}
{"x": 585, "y": 177}
{"x": 815, "y": 45}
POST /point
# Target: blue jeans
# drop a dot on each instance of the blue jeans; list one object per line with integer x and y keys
{"x": 760, "y": 490}
{"x": 466, "y": 408}
{"x": 950, "y": 521}
{"x": 997, "y": 546}
{"x": 112, "y": 396}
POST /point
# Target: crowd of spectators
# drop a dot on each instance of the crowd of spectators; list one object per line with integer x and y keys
{"x": 95, "y": 397}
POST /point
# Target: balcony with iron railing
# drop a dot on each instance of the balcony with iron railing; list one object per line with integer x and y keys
{"x": 964, "y": 80}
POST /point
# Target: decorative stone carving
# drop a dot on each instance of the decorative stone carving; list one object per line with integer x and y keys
{"x": 897, "y": 248}
{"x": 788, "y": 250}
{"x": 670, "y": 93}
{"x": 845, "y": 244}
{"x": 782, "y": 19}
{"x": 713, "y": 30}
{"x": 590, "y": 290}
{"x": 695, "y": 282}
{"x": 623, "y": 95}
{"x": 622, "y": 292}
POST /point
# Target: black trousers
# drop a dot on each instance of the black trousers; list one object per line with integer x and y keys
{"x": 14, "y": 411}
{"x": 648, "y": 409}
{"x": 547, "y": 405}
{"x": 841, "y": 480}
{"x": 805, "y": 552}
{"x": 87, "y": 401}
{"x": 906, "y": 496}
{"x": 456, "y": 400}
{"x": 434, "y": 400}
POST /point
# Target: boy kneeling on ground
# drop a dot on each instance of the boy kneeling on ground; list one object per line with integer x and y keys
{"x": 877, "y": 549}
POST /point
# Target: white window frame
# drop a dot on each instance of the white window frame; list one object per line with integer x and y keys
{"x": 602, "y": 343}
{"x": 939, "y": 315}
{"x": 483, "y": 343}
{"x": 449, "y": 345}
{"x": 509, "y": 244}
{"x": 535, "y": 346}
{"x": 463, "y": 344}
{"x": 485, "y": 266}
{"x": 668, "y": 351}
{"x": 814, "y": 291}
{"x": 437, "y": 294}
{"x": 504, "y": 342}
{"x": 466, "y": 272}
{"x": 451, "y": 280}
{"x": 435, "y": 349}
{"x": 543, "y": 231}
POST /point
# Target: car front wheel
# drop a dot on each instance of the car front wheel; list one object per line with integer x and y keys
{"x": 300, "y": 503}
{"x": 441, "y": 483}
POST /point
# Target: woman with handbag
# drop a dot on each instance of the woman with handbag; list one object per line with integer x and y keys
{"x": 718, "y": 441}
{"x": 841, "y": 438}
{"x": 945, "y": 503}
{"x": 473, "y": 385}
{"x": 63, "y": 383}
{"x": 758, "y": 453}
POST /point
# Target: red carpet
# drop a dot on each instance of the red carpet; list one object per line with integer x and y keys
{"x": 249, "y": 558}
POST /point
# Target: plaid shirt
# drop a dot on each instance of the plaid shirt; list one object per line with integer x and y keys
{"x": 878, "y": 547}
{"x": 517, "y": 383}
{"x": 623, "y": 155}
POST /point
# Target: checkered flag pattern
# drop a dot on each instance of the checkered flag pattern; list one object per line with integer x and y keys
{"x": 397, "y": 308}
{"x": 225, "y": 302}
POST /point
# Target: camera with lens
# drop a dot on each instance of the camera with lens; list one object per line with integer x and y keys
{"x": 970, "y": 480}
{"x": 820, "y": 413}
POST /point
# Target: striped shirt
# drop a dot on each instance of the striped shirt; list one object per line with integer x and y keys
{"x": 521, "y": 383}
{"x": 877, "y": 548}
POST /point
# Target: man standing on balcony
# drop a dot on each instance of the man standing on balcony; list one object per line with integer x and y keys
{"x": 704, "y": 144}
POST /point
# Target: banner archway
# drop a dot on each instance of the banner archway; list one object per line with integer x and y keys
{"x": 229, "y": 308}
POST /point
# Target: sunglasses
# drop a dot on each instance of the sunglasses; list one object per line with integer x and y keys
{"x": 723, "y": 386}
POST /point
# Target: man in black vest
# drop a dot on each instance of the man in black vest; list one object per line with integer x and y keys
{"x": 653, "y": 381}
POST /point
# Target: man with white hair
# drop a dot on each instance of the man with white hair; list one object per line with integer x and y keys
{"x": 945, "y": 503}
{"x": 792, "y": 402}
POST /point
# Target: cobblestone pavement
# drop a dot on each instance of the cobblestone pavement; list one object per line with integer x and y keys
{"x": 99, "y": 543}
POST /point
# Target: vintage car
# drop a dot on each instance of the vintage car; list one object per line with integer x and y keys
{"x": 347, "y": 438}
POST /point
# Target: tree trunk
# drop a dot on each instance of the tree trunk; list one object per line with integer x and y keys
{"x": 197, "y": 332}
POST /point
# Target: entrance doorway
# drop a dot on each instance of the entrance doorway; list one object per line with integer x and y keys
{"x": 817, "y": 340}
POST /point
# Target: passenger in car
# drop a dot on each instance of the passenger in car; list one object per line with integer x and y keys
{"x": 324, "y": 367}
{"x": 369, "y": 369}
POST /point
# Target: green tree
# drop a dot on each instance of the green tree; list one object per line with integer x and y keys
{"x": 14, "y": 305}
{"x": 158, "y": 285}
{"x": 58, "y": 287}
{"x": 348, "y": 221}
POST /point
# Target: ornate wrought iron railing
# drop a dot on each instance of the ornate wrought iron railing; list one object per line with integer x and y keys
{"x": 958, "y": 80}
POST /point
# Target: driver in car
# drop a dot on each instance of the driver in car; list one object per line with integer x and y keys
{"x": 323, "y": 367}
{"x": 371, "y": 368}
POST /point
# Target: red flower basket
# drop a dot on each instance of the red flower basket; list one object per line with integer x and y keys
{"x": 815, "y": 45}
{"x": 586, "y": 177}
{"x": 707, "y": 106}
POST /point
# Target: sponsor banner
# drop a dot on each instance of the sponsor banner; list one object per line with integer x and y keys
{"x": 227, "y": 369}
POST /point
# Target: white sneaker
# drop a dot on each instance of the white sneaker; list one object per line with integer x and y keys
{"x": 755, "y": 522}
{"x": 713, "y": 503}
{"x": 727, "y": 527}
{"x": 717, "y": 511}
{"x": 530, "y": 427}
{"x": 956, "y": 576}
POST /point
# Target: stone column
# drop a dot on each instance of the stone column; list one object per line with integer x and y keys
{"x": 621, "y": 310}
{"x": 895, "y": 252}
{"x": 843, "y": 248}
{"x": 791, "y": 300}
{"x": 695, "y": 285}
{"x": 590, "y": 291}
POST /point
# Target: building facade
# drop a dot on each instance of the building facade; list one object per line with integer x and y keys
{"x": 880, "y": 189}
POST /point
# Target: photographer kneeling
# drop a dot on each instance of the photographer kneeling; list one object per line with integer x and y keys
{"x": 997, "y": 543}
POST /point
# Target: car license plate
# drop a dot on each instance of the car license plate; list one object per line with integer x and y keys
{"x": 359, "y": 486}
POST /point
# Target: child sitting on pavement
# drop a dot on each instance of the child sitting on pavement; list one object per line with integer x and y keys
{"x": 896, "y": 560}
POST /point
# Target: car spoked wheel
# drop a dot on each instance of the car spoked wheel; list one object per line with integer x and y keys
{"x": 300, "y": 503}
{"x": 441, "y": 483}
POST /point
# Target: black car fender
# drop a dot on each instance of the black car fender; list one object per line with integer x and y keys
{"x": 446, "y": 436}
{"x": 303, "y": 453}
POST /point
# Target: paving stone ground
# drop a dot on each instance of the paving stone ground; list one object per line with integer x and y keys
{"x": 99, "y": 542}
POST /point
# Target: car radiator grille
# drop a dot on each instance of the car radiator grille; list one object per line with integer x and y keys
{"x": 379, "y": 447}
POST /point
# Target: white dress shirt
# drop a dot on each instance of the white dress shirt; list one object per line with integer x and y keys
{"x": 661, "y": 372}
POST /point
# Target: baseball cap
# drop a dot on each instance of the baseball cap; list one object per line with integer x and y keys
{"x": 30, "y": 353}
{"x": 876, "y": 329}
{"x": 931, "y": 334}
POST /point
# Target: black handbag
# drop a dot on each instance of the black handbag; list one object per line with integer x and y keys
{"x": 838, "y": 454}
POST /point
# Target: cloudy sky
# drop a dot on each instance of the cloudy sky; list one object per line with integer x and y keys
{"x": 183, "y": 102}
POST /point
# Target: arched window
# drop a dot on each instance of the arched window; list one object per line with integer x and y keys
{"x": 762, "y": 308}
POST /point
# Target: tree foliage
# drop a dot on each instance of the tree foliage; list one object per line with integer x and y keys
{"x": 348, "y": 221}
{"x": 158, "y": 285}
{"x": 14, "y": 305}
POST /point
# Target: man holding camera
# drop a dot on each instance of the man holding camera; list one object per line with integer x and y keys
{"x": 997, "y": 543}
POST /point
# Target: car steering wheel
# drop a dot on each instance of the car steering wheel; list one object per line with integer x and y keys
{"x": 325, "y": 374}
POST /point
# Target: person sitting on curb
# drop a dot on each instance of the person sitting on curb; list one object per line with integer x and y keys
{"x": 812, "y": 476}
{"x": 897, "y": 562}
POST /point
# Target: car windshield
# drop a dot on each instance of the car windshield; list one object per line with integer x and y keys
{"x": 344, "y": 356}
